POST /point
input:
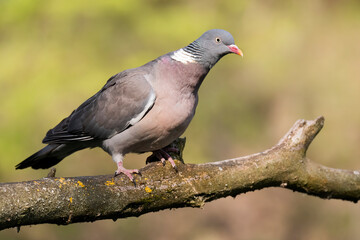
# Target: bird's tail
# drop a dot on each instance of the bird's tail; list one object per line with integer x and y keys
{"x": 47, "y": 157}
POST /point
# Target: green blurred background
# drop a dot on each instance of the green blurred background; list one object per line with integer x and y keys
{"x": 302, "y": 60}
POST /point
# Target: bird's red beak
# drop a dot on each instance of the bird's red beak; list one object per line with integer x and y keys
{"x": 233, "y": 48}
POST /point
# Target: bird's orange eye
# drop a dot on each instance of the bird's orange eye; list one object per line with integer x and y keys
{"x": 218, "y": 40}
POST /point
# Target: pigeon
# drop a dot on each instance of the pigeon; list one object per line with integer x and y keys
{"x": 138, "y": 110}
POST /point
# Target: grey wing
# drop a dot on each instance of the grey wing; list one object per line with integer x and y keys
{"x": 122, "y": 102}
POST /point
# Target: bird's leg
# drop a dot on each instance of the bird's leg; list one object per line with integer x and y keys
{"x": 128, "y": 172}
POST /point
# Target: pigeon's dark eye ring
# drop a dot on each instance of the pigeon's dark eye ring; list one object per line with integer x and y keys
{"x": 218, "y": 40}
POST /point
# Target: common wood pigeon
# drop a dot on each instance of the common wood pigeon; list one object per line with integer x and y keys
{"x": 138, "y": 110}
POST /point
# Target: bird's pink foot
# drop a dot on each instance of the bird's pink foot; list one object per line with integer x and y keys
{"x": 163, "y": 155}
{"x": 127, "y": 172}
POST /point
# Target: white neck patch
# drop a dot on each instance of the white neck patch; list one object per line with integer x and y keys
{"x": 182, "y": 56}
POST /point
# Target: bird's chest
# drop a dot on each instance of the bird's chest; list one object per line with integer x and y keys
{"x": 165, "y": 122}
{"x": 174, "y": 113}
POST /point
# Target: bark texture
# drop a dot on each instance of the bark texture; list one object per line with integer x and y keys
{"x": 81, "y": 199}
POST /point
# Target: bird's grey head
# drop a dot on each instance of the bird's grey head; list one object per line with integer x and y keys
{"x": 208, "y": 48}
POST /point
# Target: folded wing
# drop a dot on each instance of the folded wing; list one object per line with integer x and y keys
{"x": 121, "y": 103}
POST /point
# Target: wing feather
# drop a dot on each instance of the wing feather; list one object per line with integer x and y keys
{"x": 121, "y": 103}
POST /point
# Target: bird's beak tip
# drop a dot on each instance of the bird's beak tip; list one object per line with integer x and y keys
{"x": 233, "y": 48}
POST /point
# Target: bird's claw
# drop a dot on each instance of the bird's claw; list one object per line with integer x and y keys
{"x": 162, "y": 155}
{"x": 176, "y": 168}
{"x": 163, "y": 161}
{"x": 128, "y": 173}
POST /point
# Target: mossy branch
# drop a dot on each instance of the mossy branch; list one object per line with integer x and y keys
{"x": 82, "y": 199}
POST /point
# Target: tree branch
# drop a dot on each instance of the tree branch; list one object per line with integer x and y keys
{"x": 81, "y": 199}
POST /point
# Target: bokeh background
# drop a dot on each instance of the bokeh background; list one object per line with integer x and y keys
{"x": 302, "y": 60}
